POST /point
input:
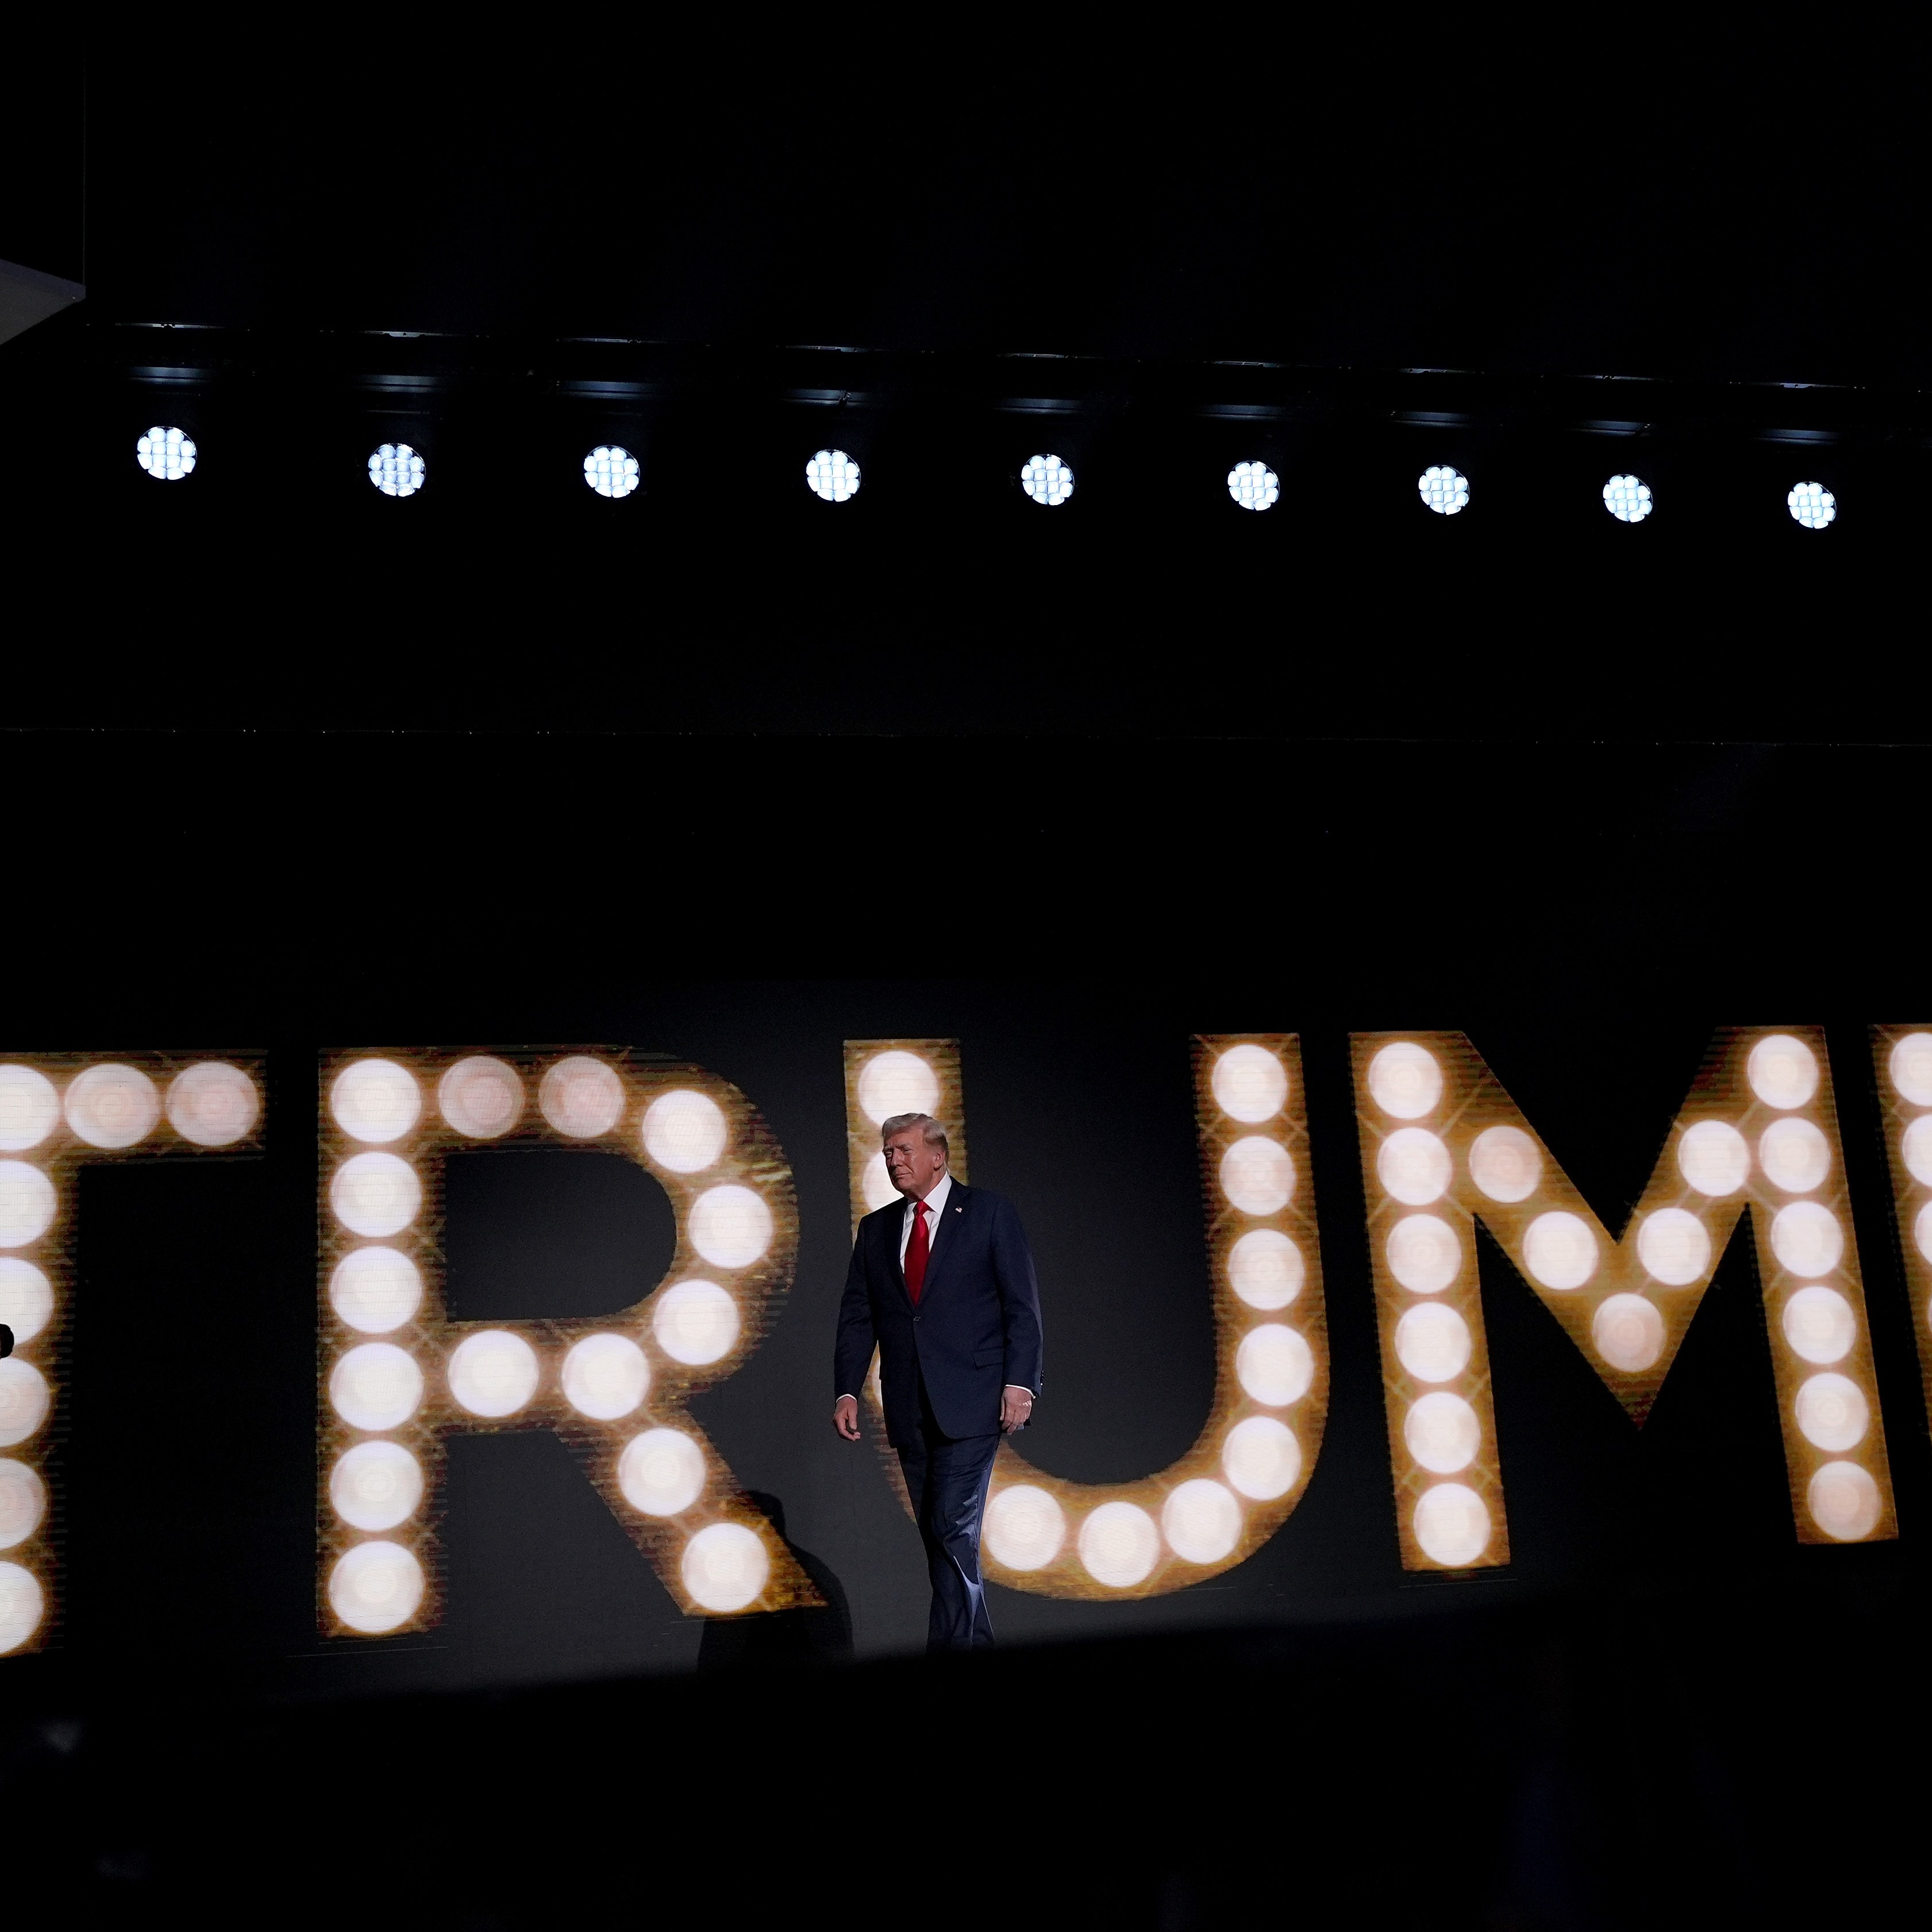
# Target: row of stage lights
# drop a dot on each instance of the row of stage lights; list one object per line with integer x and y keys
{"x": 832, "y": 475}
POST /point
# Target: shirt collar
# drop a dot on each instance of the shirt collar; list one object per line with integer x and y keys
{"x": 936, "y": 1200}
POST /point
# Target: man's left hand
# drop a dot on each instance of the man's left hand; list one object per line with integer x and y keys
{"x": 1015, "y": 1405}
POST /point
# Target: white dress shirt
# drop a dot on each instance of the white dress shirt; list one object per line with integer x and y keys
{"x": 936, "y": 1202}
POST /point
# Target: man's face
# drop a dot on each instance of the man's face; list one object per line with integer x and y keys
{"x": 913, "y": 1167}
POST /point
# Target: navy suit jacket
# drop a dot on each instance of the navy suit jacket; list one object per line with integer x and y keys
{"x": 976, "y": 1326}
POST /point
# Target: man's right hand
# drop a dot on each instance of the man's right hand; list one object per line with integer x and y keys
{"x": 845, "y": 1417}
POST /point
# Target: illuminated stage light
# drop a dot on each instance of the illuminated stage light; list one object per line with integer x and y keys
{"x": 1714, "y": 1158}
{"x": 1119, "y": 1545}
{"x": 731, "y": 1226}
{"x": 1046, "y": 480}
{"x": 27, "y": 1204}
{"x": 1811, "y": 505}
{"x": 1807, "y": 1239}
{"x": 23, "y": 1503}
{"x": 1405, "y": 1080}
{"x": 1783, "y": 1071}
{"x": 111, "y": 1106}
{"x": 166, "y": 455}
{"x": 876, "y": 1186}
{"x": 24, "y": 1400}
{"x": 1261, "y": 1458}
{"x": 695, "y": 1322}
{"x": 684, "y": 1131}
{"x": 375, "y": 1290}
{"x": 1442, "y": 1432}
{"x": 1452, "y": 1524}
{"x": 375, "y": 1385}
{"x": 481, "y": 1098}
{"x": 1254, "y": 486}
{"x": 1795, "y": 1156}
{"x": 1915, "y": 1144}
{"x": 375, "y": 1101}
{"x": 832, "y": 476}
{"x": 1413, "y": 1166}
{"x": 376, "y": 1588}
{"x": 397, "y": 470}
{"x": 1674, "y": 1246}
{"x": 581, "y": 1097}
{"x": 1250, "y": 1083}
{"x": 22, "y": 1605}
{"x": 606, "y": 1377}
{"x": 1921, "y": 1230}
{"x": 1505, "y": 1164}
{"x": 375, "y": 1194}
{"x": 494, "y": 1373}
{"x": 1424, "y": 1253}
{"x": 1265, "y": 1268}
{"x": 1432, "y": 1342}
{"x": 1628, "y": 1331}
{"x": 1202, "y": 1521}
{"x": 1832, "y": 1411}
{"x": 611, "y": 471}
{"x": 1560, "y": 1250}
{"x": 26, "y": 1298}
{"x": 1026, "y": 1527}
{"x": 1274, "y": 1364}
{"x": 376, "y": 1485}
{"x": 1843, "y": 1501}
{"x": 726, "y": 1567}
{"x": 1257, "y": 1175}
{"x": 29, "y": 1109}
{"x": 897, "y": 1082}
{"x": 661, "y": 1472}
{"x": 1819, "y": 1324}
{"x": 1627, "y": 499}
{"x": 1910, "y": 1065}
{"x": 1445, "y": 491}
{"x": 213, "y": 1104}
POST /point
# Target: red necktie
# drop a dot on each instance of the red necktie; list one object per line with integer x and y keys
{"x": 917, "y": 1250}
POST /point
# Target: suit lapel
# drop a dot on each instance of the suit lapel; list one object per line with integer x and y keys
{"x": 890, "y": 1227}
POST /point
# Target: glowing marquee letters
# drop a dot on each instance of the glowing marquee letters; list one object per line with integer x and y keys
{"x": 1904, "y": 1065}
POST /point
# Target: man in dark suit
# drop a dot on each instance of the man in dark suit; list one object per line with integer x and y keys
{"x": 942, "y": 1283}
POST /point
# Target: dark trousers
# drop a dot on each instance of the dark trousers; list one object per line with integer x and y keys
{"x": 947, "y": 1477}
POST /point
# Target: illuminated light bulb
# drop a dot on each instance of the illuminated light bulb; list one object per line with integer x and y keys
{"x": 661, "y": 1472}
{"x": 1442, "y": 1432}
{"x": 611, "y": 470}
{"x": 494, "y": 1373}
{"x": 877, "y": 1185}
{"x": 1445, "y": 491}
{"x": 1250, "y": 1083}
{"x": 684, "y": 1131}
{"x": 1424, "y": 1253}
{"x": 1559, "y": 1250}
{"x": 1628, "y": 499}
{"x": 111, "y": 1106}
{"x": 1843, "y": 1501}
{"x": 1916, "y": 1146}
{"x": 896, "y": 1082}
{"x": 581, "y": 1097}
{"x": 1265, "y": 1268}
{"x": 1405, "y": 1081}
{"x": 1202, "y": 1521}
{"x": 375, "y": 1385}
{"x": 1119, "y": 1545}
{"x": 1274, "y": 1364}
{"x": 23, "y": 1502}
{"x": 1714, "y": 1158}
{"x": 1807, "y": 1239}
{"x": 1795, "y": 1155}
{"x": 1921, "y": 1230}
{"x": 26, "y": 1298}
{"x": 1413, "y": 1166}
{"x": 731, "y": 1226}
{"x": 27, "y": 1204}
{"x": 1910, "y": 1067}
{"x": 832, "y": 476}
{"x": 1254, "y": 486}
{"x": 22, "y": 1605}
{"x": 375, "y": 1101}
{"x": 1026, "y": 1527}
{"x": 605, "y": 1377}
{"x": 1432, "y": 1342}
{"x": 29, "y": 1109}
{"x": 1832, "y": 1412}
{"x": 213, "y": 1104}
{"x": 1783, "y": 1071}
{"x": 725, "y": 1568}
{"x": 24, "y": 1400}
{"x": 1257, "y": 1175}
{"x": 397, "y": 470}
{"x": 1261, "y": 1458}
{"x": 1047, "y": 480}
{"x": 376, "y": 1485}
{"x": 1811, "y": 505}
{"x": 480, "y": 1097}
{"x": 1505, "y": 1163}
{"x": 1674, "y": 1246}
{"x": 695, "y": 1322}
{"x": 167, "y": 454}
{"x": 1628, "y": 1331}
{"x": 375, "y": 1194}
{"x": 1819, "y": 1324}
{"x": 375, "y": 1290}
{"x": 376, "y": 1588}
{"x": 1452, "y": 1524}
